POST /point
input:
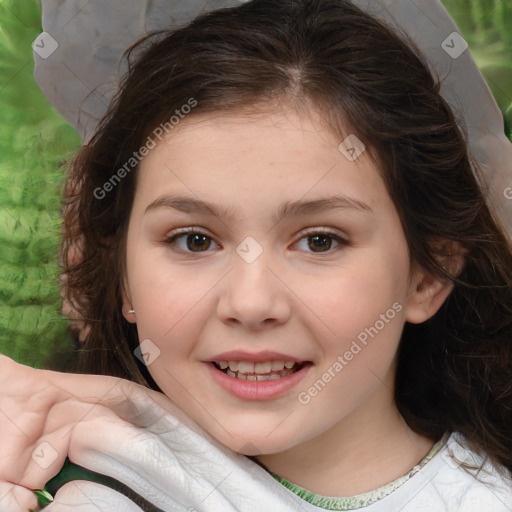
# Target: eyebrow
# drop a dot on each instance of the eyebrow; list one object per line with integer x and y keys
{"x": 287, "y": 209}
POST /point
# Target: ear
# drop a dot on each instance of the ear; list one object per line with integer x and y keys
{"x": 429, "y": 291}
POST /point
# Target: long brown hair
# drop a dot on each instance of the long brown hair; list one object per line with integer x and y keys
{"x": 454, "y": 370}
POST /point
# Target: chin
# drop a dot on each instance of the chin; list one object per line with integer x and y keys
{"x": 257, "y": 444}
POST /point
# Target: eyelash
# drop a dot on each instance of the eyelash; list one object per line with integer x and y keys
{"x": 178, "y": 233}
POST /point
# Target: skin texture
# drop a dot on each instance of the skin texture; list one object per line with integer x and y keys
{"x": 347, "y": 439}
{"x": 195, "y": 304}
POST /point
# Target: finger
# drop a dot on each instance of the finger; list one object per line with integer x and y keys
{"x": 42, "y": 459}
{"x": 20, "y": 381}
{"x": 69, "y": 425}
{"x": 14, "y": 498}
{"x": 25, "y": 407}
{"x": 40, "y": 408}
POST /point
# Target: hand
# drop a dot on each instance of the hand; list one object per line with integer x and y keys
{"x": 39, "y": 413}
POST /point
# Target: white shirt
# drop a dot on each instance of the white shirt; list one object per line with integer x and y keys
{"x": 177, "y": 466}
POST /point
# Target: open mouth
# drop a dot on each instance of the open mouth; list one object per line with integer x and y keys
{"x": 271, "y": 370}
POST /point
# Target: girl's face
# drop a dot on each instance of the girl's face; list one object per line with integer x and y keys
{"x": 299, "y": 257}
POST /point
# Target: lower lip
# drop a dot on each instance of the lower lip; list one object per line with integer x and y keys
{"x": 254, "y": 389}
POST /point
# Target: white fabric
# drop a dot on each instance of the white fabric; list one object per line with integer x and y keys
{"x": 82, "y": 75}
{"x": 171, "y": 462}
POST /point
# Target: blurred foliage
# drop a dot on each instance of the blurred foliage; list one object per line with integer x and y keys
{"x": 35, "y": 140}
{"x": 487, "y": 27}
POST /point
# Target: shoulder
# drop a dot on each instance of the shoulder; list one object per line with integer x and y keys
{"x": 486, "y": 488}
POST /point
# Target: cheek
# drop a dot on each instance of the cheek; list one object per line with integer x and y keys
{"x": 360, "y": 313}
{"x": 163, "y": 297}
{"x": 355, "y": 296}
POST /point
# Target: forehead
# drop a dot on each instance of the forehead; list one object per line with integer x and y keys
{"x": 265, "y": 155}
{"x": 304, "y": 123}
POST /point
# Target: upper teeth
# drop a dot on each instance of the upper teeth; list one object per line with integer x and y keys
{"x": 261, "y": 368}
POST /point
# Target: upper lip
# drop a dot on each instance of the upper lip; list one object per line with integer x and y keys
{"x": 257, "y": 357}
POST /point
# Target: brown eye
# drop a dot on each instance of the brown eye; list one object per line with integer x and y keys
{"x": 195, "y": 241}
{"x": 321, "y": 242}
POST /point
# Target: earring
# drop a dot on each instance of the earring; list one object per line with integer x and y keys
{"x": 131, "y": 311}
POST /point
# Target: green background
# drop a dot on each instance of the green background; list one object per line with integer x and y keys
{"x": 35, "y": 140}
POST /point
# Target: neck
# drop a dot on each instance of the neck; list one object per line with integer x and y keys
{"x": 367, "y": 449}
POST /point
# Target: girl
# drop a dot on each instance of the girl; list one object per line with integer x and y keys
{"x": 295, "y": 292}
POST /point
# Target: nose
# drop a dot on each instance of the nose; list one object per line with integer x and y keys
{"x": 254, "y": 294}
